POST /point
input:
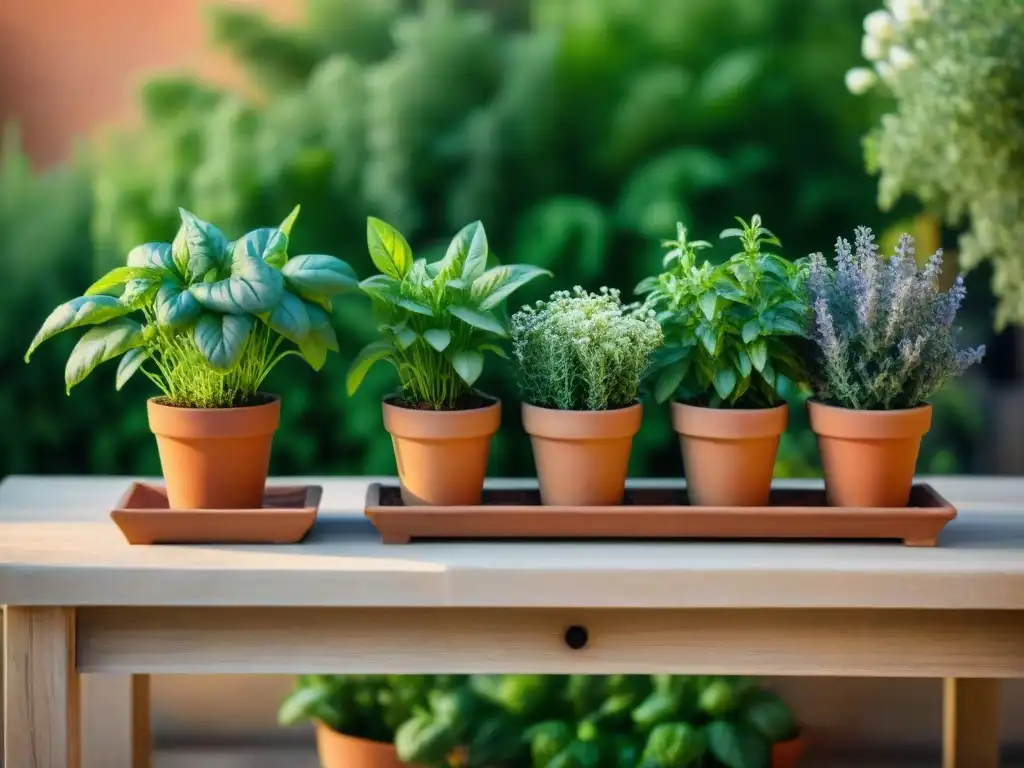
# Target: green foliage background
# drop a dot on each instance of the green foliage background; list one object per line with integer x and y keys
{"x": 578, "y": 131}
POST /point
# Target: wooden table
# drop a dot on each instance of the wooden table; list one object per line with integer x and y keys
{"x": 81, "y": 600}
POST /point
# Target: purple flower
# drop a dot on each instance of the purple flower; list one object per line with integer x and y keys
{"x": 949, "y": 303}
{"x": 885, "y": 335}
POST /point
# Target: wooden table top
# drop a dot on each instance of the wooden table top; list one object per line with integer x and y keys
{"x": 58, "y": 547}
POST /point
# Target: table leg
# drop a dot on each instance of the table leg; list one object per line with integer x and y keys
{"x": 41, "y": 726}
{"x": 115, "y": 721}
{"x": 970, "y": 715}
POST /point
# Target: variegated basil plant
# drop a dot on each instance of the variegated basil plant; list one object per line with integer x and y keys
{"x": 202, "y": 317}
{"x": 436, "y": 320}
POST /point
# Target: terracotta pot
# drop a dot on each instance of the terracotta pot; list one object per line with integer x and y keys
{"x": 337, "y": 750}
{"x": 581, "y": 456}
{"x": 215, "y": 458}
{"x": 869, "y": 456}
{"x": 729, "y": 454}
{"x": 787, "y": 754}
{"x": 442, "y": 455}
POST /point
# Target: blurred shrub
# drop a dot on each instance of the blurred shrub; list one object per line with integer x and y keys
{"x": 579, "y": 132}
{"x": 48, "y": 258}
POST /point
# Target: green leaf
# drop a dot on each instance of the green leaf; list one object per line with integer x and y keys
{"x": 405, "y": 337}
{"x": 314, "y": 353}
{"x": 438, "y": 338}
{"x": 772, "y": 718}
{"x": 254, "y": 286}
{"x": 99, "y": 344}
{"x": 724, "y": 381}
{"x": 751, "y": 330}
{"x": 497, "y": 284}
{"x": 302, "y": 704}
{"x": 468, "y": 363}
{"x": 153, "y": 256}
{"x": 730, "y": 232}
{"x": 85, "y": 310}
{"x": 119, "y": 276}
{"x": 776, "y": 322}
{"x": 289, "y": 222}
{"x": 321, "y": 338}
{"x": 708, "y": 304}
{"x": 139, "y": 292}
{"x": 737, "y": 746}
{"x": 198, "y": 247}
{"x": 466, "y": 256}
{"x": 424, "y": 740}
{"x": 709, "y": 338}
{"x": 130, "y": 362}
{"x": 728, "y": 287}
{"x": 290, "y": 318}
{"x": 175, "y": 307}
{"x": 389, "y": 251}
{"x": 495, "y": 349}
{"x": 221, "y": 338}
{"x": 777, "y": 266}
{"x": 485, "y": 321}
{"x": 758, "y": 352}
{"x": 670, "y": 379}
{"x": 673, "y": 745}
{"x": 368, "y": 355}
{"x": 318, "y": 274}
{"x": 414, "y": 306}
{"x": 742, "y": 361}
{"x": 742, "y": 271}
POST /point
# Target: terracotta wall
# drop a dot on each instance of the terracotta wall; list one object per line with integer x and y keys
{"x": 68, "y": 67}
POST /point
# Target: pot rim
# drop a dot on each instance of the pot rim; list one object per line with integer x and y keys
{"x": 729, "y": 423}
{"x": 214, "y": 423}
{"x": 320, "y": 724}
{"x": 420, "y": 424}
{"x": 853, "y": 424}
{"x": 558, "y": 424}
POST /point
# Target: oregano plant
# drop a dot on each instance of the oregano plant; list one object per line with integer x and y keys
{"x": 436, "y": 320}
{"x": 202, "y": 317}
{"x": 731, "y": 329}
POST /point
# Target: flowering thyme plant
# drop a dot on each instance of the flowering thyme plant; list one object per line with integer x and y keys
{"x": 884, "y": 331}
{"x": 732, "y": 329}
{"x": 583, "y": 351}
{"x": 953, "y": 137}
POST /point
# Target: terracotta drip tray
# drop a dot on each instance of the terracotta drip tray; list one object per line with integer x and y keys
{"x": 658, "y": 513}
{"x": 287, "y": 514}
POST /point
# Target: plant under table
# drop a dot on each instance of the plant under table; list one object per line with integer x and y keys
{"x": 79, "y": 599}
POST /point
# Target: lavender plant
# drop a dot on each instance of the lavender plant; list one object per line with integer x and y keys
{"x": 885, "y": 334}
{"x": 583, "y": 351}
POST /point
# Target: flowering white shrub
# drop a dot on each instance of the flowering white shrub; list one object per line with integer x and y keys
{"x": 955, "y": 135}
{"x": 583, "y": 351}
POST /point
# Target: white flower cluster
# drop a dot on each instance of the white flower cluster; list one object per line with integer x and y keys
{"x": 583, "y": 351}
{"x": 887, "y": 43}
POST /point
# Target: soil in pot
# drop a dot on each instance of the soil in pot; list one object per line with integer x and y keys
{"x": 787, "y": 754}
{"x": 582, "y": 456}
{"x": 442, "y": 455}
{"x": 729, "y": 454}
{"x": 215, "y": 458}
{"x": 869, "y": 457}
{"x": 338, "y": 750}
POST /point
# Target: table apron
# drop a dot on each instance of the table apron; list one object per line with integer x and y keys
{"x": 810, "y": 642}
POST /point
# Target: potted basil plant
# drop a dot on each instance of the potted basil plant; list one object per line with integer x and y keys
{"x": 732, "y": 333}
{"x": 204, "y": 319}
{"x": 436, "y": 322}
{"x": 886, "y": 341}
{"x": 356, "y": 716}
{"x": 580, "y": 360}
